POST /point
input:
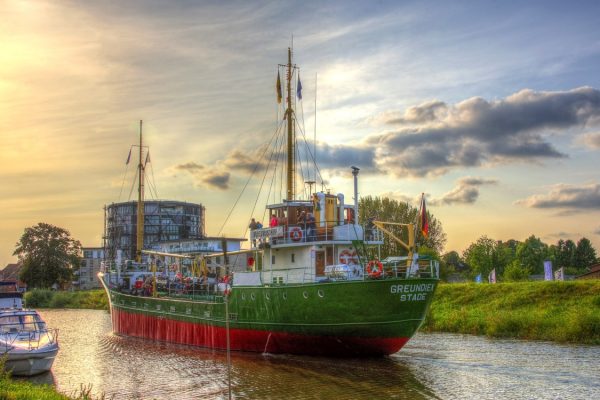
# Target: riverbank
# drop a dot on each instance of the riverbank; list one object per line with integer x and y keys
{"x": 23, "y": 390}
{"x": 554, "y": 311}
{"x": 88, "y": 299}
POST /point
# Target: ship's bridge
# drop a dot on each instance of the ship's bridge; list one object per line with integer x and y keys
{"x": 323, "y": 218}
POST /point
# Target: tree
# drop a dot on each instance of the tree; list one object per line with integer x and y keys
{"x": 585, "y": 254}
{"x": 48, "y": 254}
{"x": 532, "y": 253}
{"x": 486, "y": 254}
{"x": 389, "y": 210}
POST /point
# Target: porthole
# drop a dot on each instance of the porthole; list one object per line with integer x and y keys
{"x": 284, "y": 295}
{"x": 243, "y": 296}
{"x": 321, "y": 293}
{"x": 305, "y": 295}
{"x": 267, "y": 296}
{"x": 252, "y": 296}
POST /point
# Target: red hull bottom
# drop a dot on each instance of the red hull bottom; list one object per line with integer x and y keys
{"x": 214, "y": 337}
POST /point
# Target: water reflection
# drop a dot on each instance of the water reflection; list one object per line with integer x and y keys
{"x": 430, "y": 367}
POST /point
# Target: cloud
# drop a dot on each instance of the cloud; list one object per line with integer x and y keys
{"x": 476, "y": 132}
{"x": 591, "y": 140}
{"x": 565, "y": 196}
{"x": 465, "y": 192}
{"x": 218, "y": 180}
{"x": 424, "y": 113}
{"x": 191, "y": 167}
{"x": 203, "y": 176}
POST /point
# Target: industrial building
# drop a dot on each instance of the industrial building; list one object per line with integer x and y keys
{"x": 164, "y": 220}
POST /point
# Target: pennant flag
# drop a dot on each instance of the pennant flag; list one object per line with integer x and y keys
{"x": 492, "y": 276}
{"x": 299, "y": 88}
{"x": 147, "y": 159}
{"x": 279, "y": 95}
{"x": 547, "y": 270}
{"x": 478, "y": 278}
{"x": 424, "y": 222}
{"x": 128, "y": 157}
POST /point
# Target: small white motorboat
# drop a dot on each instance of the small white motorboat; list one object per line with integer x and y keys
{"x": 28, "y": 346}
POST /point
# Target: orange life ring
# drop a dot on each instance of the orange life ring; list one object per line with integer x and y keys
{"x": 374, "y": 268}
{"x": 296, "y": 233}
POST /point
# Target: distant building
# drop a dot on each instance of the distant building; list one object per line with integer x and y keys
{"x": 11, "y": 273}
{"x": 593, "y": 274}
{"x": 86, "y": 277}
{"x": 164, "y": 220}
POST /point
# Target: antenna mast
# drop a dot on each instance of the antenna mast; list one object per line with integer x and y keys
{"x": 140, "y": 205}
{"x": 289, "y": 113}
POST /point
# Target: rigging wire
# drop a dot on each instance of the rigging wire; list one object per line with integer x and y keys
{"x": 152, "y": 172}
{"x": 246, "y": 184}
{"x": 133, "y": 185}
{"x": 125, "y": 174}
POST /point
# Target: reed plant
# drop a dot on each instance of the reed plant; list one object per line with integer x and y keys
{"x": 555, "y": 311}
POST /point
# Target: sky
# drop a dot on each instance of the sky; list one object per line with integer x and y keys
{"x": 492, "y": 109}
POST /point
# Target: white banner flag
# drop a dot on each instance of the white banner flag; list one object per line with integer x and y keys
{"x": 492, "y": 276}
{"x": 559, "y": 274}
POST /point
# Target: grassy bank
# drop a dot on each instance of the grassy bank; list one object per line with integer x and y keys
{"x": 556, "y": 311}
{"x": 90, "y": 299}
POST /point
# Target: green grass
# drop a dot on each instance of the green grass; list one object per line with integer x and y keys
{"x": 556, "y": 311}
{"x": 11, "y": 389}
{"x": 43, "y": 298}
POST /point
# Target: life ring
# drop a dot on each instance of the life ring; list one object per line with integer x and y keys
{"x": 296, "y": 233}
{"x": 374, "y": 268}
{"x": 348, "y": 257}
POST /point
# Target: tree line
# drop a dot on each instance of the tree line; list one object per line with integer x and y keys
{"x": 514, "y": 260}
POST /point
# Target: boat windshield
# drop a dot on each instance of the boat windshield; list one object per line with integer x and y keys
{"x": 21, "y": 323}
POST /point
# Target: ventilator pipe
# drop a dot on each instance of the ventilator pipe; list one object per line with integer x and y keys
{"x": 340, "y": 197}
{"x": 355, "y": 173}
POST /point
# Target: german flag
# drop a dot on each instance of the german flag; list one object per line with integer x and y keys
{"x": 424, "y": 221}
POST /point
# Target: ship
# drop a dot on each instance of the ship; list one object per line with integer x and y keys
{"x": 313, "y": 282}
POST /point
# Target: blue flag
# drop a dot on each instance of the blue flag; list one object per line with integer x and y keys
{"x": 299, "y": 88}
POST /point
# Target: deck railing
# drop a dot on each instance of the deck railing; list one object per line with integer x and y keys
{"x": 305, "y": 232}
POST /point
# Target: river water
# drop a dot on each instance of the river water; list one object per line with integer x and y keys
{"x": 431, "y": 366}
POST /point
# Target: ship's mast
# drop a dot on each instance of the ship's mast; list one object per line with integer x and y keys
{"x": 291, "y": 148}
{"x": 140, "y": 204}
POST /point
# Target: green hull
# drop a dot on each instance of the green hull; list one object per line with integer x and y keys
{"x": 361, "y": 317}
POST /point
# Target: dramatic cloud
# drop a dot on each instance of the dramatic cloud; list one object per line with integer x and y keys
{"x": 565, "y": 196}
{"x": 476, "y": 131}
{"x": 591, "y": 140}
{"x": 436, "y": 137}
{"x": 465, "y": 192}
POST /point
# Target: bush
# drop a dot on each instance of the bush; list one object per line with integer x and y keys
{"x": 38, "y": 298}
{"x": 514, "y": 272}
